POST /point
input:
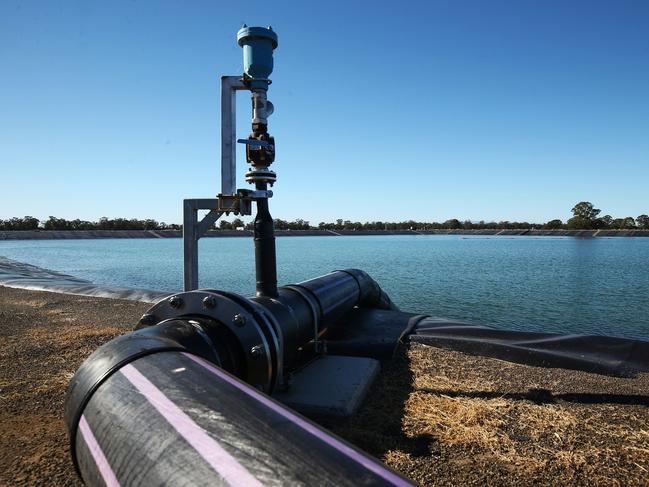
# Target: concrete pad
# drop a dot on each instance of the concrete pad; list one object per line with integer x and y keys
{"x": 331, "y": 385}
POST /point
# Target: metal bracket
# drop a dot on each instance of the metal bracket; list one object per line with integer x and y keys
{"x": 229, "y": 201}
{"x": 193, "y": 229}
{"x": 234, "y": 203}
{"x": 241, "y": 202}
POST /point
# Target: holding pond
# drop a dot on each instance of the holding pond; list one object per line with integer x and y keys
{"x": 563, "y": 285}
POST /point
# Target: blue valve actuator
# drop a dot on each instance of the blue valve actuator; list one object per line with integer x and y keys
{"x": 258, "y": 44}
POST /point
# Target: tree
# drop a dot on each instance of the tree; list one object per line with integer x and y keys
{"x": 150, "y": 224}
{"x": 453, "y": 224}
{"x": 606, "y": 221}
{"x": 643, "y": 221}
{"x": 81, "y": 225}
{"x": 628, "y": 223}
{"x": 585, "y": 216}
{"x": 54, "y": 223}
{"x": 225, "y": 225}
{"x": 237, "y": 223}
{"x": 585, "y": 210}
{"x": 30, "y": 223}
{"x": 554, "y": 224}
{"x": 24, "y": 223}
{"x": 280, "y": 224}
{"x": 299, "y": 224}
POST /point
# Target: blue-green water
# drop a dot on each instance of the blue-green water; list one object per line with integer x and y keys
{"x": 565, "y": 285}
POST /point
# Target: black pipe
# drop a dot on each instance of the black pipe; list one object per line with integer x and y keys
{"x": 172, "y": 418}
{"x": 305, "y": 311}
{"x": 257, "y": 340}
{"x": 214, "y": 343}
{"x": 265, "y": 258}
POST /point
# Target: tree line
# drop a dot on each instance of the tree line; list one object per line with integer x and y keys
{"x": 585, "y": 217}
{"x": 54, "y": 223}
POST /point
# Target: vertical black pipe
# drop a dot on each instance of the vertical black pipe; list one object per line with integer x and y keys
{"x": 265, "y": 260}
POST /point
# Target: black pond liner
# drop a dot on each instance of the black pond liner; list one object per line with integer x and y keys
{"x": 26, "y": 276}
{"x": 621, "y": 357}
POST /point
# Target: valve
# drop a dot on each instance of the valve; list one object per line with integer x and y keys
{"x": 258, "y": 44}
{"x": 260, "y": 149}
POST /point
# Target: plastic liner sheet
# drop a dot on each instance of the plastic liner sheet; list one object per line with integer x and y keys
{"x": 373, "y": 333}
{"x": 25, "y": 276}
{"x": 614, "y": 356}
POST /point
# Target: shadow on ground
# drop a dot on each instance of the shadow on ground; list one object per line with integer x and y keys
{"x": 545, "y": 396}
{"x": 378, "y": 427}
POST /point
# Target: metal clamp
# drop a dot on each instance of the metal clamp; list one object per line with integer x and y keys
{"x": 241, "y": 202}
{"x": 318, "y": 345}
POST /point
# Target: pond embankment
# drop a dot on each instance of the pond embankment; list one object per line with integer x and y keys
{"x": 438, "y": 416}
{"x": 95, "y": 234}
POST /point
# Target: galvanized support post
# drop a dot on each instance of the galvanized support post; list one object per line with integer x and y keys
{"x": 190, "y": 246}
{"x": 193, "y": 229}
{"x": 229, "y": 87}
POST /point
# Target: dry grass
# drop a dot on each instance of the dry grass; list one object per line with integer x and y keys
{"x": 481, "y": 421}
{"x": 45, "y": 337}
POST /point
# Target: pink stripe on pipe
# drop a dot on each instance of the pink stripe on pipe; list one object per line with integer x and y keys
{"x": 345, "y": 449}
{"x": 219, "y": 459}
{"x": 97, "y": 454}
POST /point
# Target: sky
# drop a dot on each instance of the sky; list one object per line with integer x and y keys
{"x": 383, "y": 110}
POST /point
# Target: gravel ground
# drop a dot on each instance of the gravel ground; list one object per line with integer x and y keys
{"x": 45, "y": 337}
{"x": 439, "y": 417}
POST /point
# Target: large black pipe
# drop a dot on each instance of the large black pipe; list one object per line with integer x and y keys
{"x": 173, "y": 418}
{"x": 256, "y": 340}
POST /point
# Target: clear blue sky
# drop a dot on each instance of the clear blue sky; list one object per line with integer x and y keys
{"x": 384, "y": 110}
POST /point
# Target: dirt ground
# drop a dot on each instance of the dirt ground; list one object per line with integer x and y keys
{"x": 439, "y": 417}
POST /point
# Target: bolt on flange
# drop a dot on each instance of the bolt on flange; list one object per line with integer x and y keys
{"x": 257, "y": 351}
{"x": 175, "y": 302}
{"x": 209, "y": 302}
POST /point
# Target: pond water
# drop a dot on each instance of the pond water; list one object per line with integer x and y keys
{"x": 568, "y": 285}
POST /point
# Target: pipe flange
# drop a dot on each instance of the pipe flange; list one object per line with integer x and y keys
{"x": 261, "y": 176}
{"x": 258, "y": 353}
{"x": 271, "y": 329}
